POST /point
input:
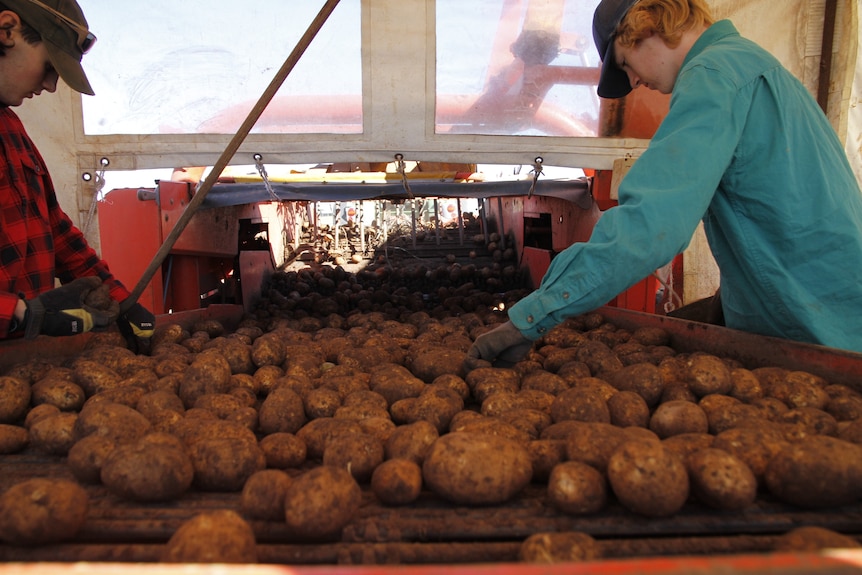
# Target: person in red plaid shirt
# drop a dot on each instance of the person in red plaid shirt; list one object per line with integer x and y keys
{"x": 40, "y": 42}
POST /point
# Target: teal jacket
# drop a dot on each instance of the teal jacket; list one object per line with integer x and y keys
{"x": 745, "y": 148}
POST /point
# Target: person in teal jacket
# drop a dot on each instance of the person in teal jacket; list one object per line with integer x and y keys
{"x": 744, "y": 148}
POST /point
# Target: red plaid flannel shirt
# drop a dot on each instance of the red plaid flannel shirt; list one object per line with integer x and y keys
{"x": 38, "y": 241}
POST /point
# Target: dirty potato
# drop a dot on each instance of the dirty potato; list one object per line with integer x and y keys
{"x": 721, "y": 480}
{"x": 154, "y": 468}
{"x": 676, "y": 417}
{"x": 559, "y": 547}
{"x": 577, "y": 488}
{"x": 220, "y": 536}
{"x": 648, "y": 479}
{"x": 319, "y": 503}
{"x": 818, "y": 471}
{"x": 15, "y": 396}
{"x": 13, "y": 438}
{"x": 41, "y": 511}
{"x": 263, "y": 495}
{"x": 476, "y": 469}
{"x": 397, "y": 481}
{"x": 283, "y": 450}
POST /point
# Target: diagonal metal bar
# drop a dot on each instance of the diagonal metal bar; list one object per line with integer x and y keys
{"x": 229, "y": 152}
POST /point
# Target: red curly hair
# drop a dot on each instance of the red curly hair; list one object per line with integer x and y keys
{"x": 666, "y": 18}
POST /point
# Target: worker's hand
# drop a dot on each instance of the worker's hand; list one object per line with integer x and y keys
{"x": 503, "y": 345}
{"x": 64, "y": 311}
{"x": 137, "y": 326}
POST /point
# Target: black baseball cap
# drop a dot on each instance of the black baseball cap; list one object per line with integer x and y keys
{"x": 66, "y": 35}
{"x": 613, "y": 82}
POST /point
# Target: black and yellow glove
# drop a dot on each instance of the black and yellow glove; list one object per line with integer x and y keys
{"x": 63, "y": 311}
{"x": 137, "y": 326}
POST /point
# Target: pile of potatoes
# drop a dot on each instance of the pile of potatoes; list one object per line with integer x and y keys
{"x": 302, "y": 413}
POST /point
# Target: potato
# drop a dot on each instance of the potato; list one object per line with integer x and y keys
{"x": 436, "y": 362}
{"x": 487, "y": 380}
{"x": 577, "y": 488}
{"x": 531, "y": 421}
{"x": 397, "y": 481}
{"x": 435, "y": 405}
{"x": 159, "y": 400}
{"x": 127, "y": 395}
{"x": 676, "y": 417}
{"x": 268, "y": 349}
{"x": 224, "y": 464}
{"x": 544, "y": 381}
{"x": 559, "y": 547}
{"x": 87, "y": 456}
{"x": 379, "y": 427}
{"x": 208, "y": 373}
{"x": 648, "y": 479}
{"x": 116, "y": 421}
{"x": 721, "y": 480}
{"x": 321, "y": 402}
{"x": 263, "y": 495}
{"x": 66, "y": 395}
{"x": 745, "y": 386}
{"x": 812, "y": 538}
{"x": 411, "y": 441}
{"x": 453, "y": 382}
{"x": 13, "y": 438}
{"x": 684, "y": 444}
{"x": 54, "y": 434}
{"x": 283, "y": 450}
{"x": 319, "y": 503}
{"x": 358, "y": 453}
{"x": 476, "y": 469}
{"x": 818, "y": 471}
{"x": 94, "y": 377}
{"x": 38, "y": 412}
{"x": 494, "y": 426}
{"x": 42, "y": 511}
{"x": 395, "y": 382}
{"x": 579, "y": 405}
{"x": 845, "y": 408}
{"x": 220, "y": 536}
{"x": 734, "y": 415}
{"x": 645, "y": 379}
{"x": 155, "y": 468}
{"x": 545, "y": 454}
{"x": 593, "y": 443}
{"x": 800, "y": 389}
{"x": 708, "y": 374}
{"x": 628, "y": 409}
{"x": 814, "y": 420}
{"x": 268, "y": 376}
{"x": 281, "y": 411}
{"x": 318, "y": 432}
{"x": 14, "y": 399}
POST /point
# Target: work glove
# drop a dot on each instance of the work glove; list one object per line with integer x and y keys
{"x": 64, "y": 310}
{"x": 504, "y": 345}
{"x": 137, "y": 326}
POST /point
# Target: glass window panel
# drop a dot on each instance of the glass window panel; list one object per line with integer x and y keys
{"x": 168, "y": 66}
{"x": 516, "y": 67}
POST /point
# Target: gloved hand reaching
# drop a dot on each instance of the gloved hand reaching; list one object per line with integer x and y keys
{"x": 64, "y": 310}
{"x": 137, "y": 326}
{"x": 505, "y": 343}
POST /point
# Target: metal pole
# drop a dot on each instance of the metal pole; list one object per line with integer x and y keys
{"x": 229, "y": 152}
{"x": 460, "y": 221}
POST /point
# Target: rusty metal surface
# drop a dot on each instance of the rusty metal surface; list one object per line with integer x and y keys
{"x": 752, "y": 350}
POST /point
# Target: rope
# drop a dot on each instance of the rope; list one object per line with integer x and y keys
{"x": 400, "y": 166}
{"x": 261, "y": 169}
{"x": 98, "y": 184}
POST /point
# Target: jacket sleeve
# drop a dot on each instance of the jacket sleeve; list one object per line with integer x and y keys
{"x": 661, "y": 201}
{"x": 74, "y": 257}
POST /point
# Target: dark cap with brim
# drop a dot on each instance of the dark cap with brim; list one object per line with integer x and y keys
{"x": 61, "y": 40}
{"x": 613, "y": 82}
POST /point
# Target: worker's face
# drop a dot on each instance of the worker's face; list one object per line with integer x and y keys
{"x": 649, "y": 63}
{"x": 25, "y": 69}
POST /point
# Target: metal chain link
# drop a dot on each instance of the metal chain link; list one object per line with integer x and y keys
{"x": 98, "y": 185}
